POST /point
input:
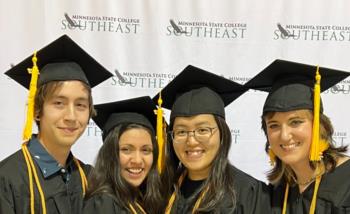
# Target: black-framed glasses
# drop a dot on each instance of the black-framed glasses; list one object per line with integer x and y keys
{"x": 201, "y": 134}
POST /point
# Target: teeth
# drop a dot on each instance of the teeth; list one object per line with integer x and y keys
{"x": 135, "y": 171}
{"x": 194, "y": 152}
{"x": 289, "y": 146}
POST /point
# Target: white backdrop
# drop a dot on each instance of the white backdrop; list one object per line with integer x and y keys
{"x": 149, "y": 42}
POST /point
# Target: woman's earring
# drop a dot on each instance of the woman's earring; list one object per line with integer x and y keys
{"x": 272, "y": 157}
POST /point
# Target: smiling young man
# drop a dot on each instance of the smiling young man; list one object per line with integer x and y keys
{"x": 44, "y": 176}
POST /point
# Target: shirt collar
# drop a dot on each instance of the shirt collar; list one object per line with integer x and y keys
{"x": 47, "y": 164}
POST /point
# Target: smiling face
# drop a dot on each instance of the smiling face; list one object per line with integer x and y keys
{"x": 290, "y": 135}
{"x": 64, "y": 116}
{"x": 196, "y": 156}
{"x": 136, "y": 155}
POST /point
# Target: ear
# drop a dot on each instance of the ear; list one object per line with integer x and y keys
{"x": 36, "y": 116}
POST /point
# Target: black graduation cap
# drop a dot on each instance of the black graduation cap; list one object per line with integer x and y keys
{"x": 196, "y": 91}
{"x": 290, "y": 84}
{"x": 63, "y": 59}
{"x": 138, "y": 110}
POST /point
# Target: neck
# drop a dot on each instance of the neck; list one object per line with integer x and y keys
{"x": 57, "y": 152}
{"x": 304, "y": 174}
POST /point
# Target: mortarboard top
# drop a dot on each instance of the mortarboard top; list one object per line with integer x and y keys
{"x": 63, "y": 59}
{"x": 290, "y": 84}
{"x": 138, "y": 110}
{"x": 196, "y": 91}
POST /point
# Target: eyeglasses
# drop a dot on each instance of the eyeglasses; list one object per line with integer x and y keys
{"x": 201, "y": 135}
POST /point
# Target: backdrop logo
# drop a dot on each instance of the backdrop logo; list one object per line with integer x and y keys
{"x": 93, "y": 130}
{"x": 241, "y": 80}
{"x": 341, "y": 88}
{"x": 235, "y": 133}
{"x": 206, "y": 29}
{"x": 312, "y": 32}
{"x": 340, "y": 138}
{"x": 121, "y": 25}
{"x": 141, "y": 80}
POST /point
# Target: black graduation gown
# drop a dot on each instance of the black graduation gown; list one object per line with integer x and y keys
{"x": 60, "y": 197}
{"x": 333, "y": 194}
{"x": 252, "y": 197}
{"x": 104, "y": 204}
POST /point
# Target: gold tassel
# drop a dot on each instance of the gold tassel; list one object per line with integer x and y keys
{"x": 318, "y": 146}
{"x": 34, "y": 71}
{"x": 272, "y": 157}
{"x": 324, "y": 145}
{"x": 315, "y": 153}
{"x": 160, "y": 138}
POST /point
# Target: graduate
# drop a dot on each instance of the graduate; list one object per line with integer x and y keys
{"x": 44, "y": 176}
{"x": 310, "y": 173}
{"x": 126, "y": 178}
{"x": 198, "y": 174}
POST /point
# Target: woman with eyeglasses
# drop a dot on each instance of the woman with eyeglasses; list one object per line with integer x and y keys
{"x": 125, "y": 178}
{"x": 198, "y": 175}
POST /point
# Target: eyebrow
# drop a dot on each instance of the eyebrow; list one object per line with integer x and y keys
{"x": 64, "y": 97}
{"x": 292, "y": 118}
{"x": 83, "y": 99}
{"x": 196, "y": 124}
{"x": 297, "y": 117}
{"x": 202, "y": 123}
{"x": 131, "y": 145}
{"x": 271, "y": 121}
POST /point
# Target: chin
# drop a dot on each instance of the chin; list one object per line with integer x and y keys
{"x": 68, "y": 142}
{"x": 292, "y": 160}
{"x": 195, "y": 168}
{"x": 72, "y": 138}
{"x": 135, "y": 184}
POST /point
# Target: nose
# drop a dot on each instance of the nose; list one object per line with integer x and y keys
{"x": 191, "y": 139}
{"x": 285, "y": 134}
{"x": 136, "y": 157}
{"x": 70, "y": 113}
